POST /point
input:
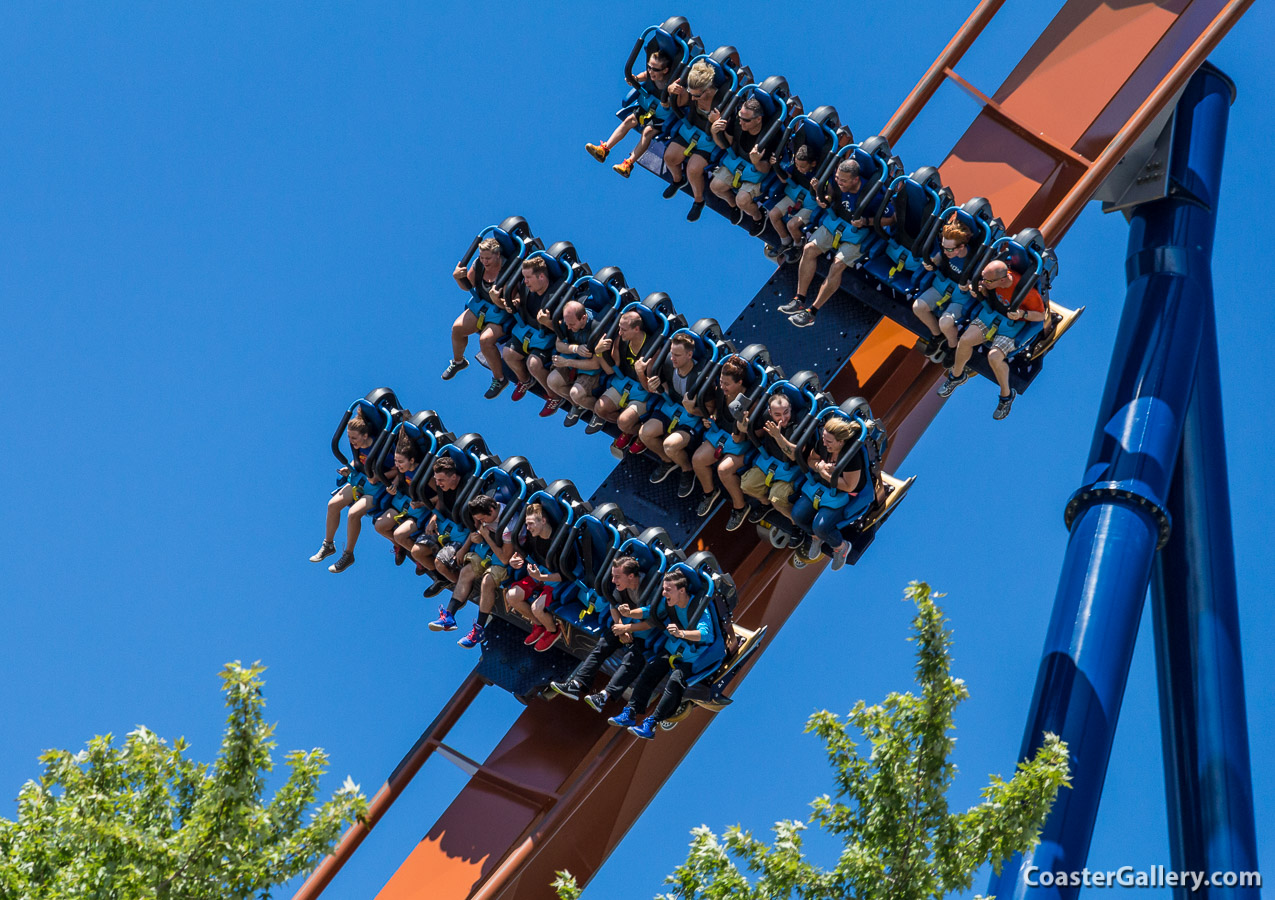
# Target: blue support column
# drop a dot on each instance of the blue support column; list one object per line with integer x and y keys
{"x": 1119, "y": 517}
{"x": 1208, "y": 779}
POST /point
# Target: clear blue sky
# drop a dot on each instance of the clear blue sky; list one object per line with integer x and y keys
{"x": 219, "y": 223}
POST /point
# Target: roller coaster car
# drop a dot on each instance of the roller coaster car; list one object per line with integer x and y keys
{"x": 709, "y": 344}
{"x": 873, "y": 498}
{"x": 919, "y": 202}
{"x": 674, "y": 38}
{"x": 590, "y": 547}
{"x": 732, "y": 645}
{"x": 516, "y": 241}
{"x": 772, "y": 96}
{"x": 380, "y": 409}
{"x": 564, "y": 268}
{"x": 878, "y": 167}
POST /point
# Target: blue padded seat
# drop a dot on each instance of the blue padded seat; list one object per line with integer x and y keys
{"x": 877, "y": 168}
{"x": 772, "y": 95}
{"x": 659, "y": 318}
{"x": 919, "y": 201}
{"x": 564, "y": 268}
{"x": 516, "y": 241}
{"x": 709, "y": 343}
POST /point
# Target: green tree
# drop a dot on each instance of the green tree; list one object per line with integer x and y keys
{"x": 144, "y": 821}
{"x": 890, "y": 807}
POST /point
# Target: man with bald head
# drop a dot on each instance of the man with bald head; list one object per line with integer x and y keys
{"x": 575, "y": 368}
{"x": 995, "y": 321}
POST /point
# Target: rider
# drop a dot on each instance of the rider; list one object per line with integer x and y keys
{"x": 480, "y": 278}
{"x": 655, "y": 81}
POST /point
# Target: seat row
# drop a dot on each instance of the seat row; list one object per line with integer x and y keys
{"x": 801, "y": 182}
{"x": 533, "y": 553}
{"x": 727, "y": 422}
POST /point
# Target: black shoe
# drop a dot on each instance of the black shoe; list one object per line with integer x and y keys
{"x": 671, "y": 190}
{"x": 453, "y": 367}
{"x": 497, "y": 385}
{"x": 439, "y": 585}
{"x": 758, "y": 513}
{"x": 803, "y": 319}
{"x": 706, "y": 503}
{"x": 596, "y": 701}
{"x": 791, "y": 255}
{"x": 793, "y": 306}
{"x": 663, "y": 471}
{"x": 1002, "y": 408}
{"x": 570, "y": 688}
{"x": 736, "y": 216}
{"x": 696, "y": 208}
{"x": 573, "y": 416}
{"x": 596, "y": 424}
{"x": 756, "y": 227}
{"x": 685, "y": 484}
{"x": 736, "y": 519}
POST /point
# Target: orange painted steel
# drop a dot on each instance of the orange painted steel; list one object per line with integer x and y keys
{"x": 562, "y": 788}
{"x": 964, "y": 38}
{"x": 1038, "y": 160}
{"x": 394, "y": 785}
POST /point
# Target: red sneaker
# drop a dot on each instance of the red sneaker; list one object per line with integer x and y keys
{"x": 399, "y": 555}
{"x": 623, "y": 441}
{"x": 550, "y": 407}
{"x": 520, "y": 390}
{"x": 547, "y": 640}
{"x": 535, "y": 635}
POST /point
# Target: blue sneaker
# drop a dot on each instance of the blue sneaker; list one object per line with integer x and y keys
{"x": 474, "y": 638}
{"x": 645, "y": 731}
{"x": 626, "y": 719}
{"x": 444, "y": 622}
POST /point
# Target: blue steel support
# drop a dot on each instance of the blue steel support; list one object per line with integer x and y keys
{"x": 1194, "y": 606}
{"x": 1119, "y": 516}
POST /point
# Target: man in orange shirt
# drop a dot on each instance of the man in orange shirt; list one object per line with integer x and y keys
{"x": 996, "y": 289}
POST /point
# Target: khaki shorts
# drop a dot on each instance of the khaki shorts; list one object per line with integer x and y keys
{"x": 932, "y": 295}
{"x": 753, "y": 483}
{"x": 614, "y": 396}
{"x": 586, "y": 380}
{"x": 480, "y": 567}
{"x": 847, "y": 253}
{"x": 725, "y": 177}
{"x": 786, "y": 204}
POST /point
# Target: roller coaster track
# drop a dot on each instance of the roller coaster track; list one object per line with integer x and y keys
{"x": 562, "y": 788}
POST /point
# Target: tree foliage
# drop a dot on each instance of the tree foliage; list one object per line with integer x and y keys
{"x": 892, "y": 773}
{"x": 142, "y": 820}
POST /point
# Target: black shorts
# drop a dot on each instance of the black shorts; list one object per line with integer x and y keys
{"x": 686, "y": 422}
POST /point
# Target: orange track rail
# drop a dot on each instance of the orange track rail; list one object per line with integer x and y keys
{"x": 562, "y": 788}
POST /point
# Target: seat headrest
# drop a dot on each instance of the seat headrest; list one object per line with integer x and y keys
{"x": 508, "y": 244}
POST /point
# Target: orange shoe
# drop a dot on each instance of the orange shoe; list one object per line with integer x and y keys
{"x": 624, "y": 168}
{"x": 597, "y": 151}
